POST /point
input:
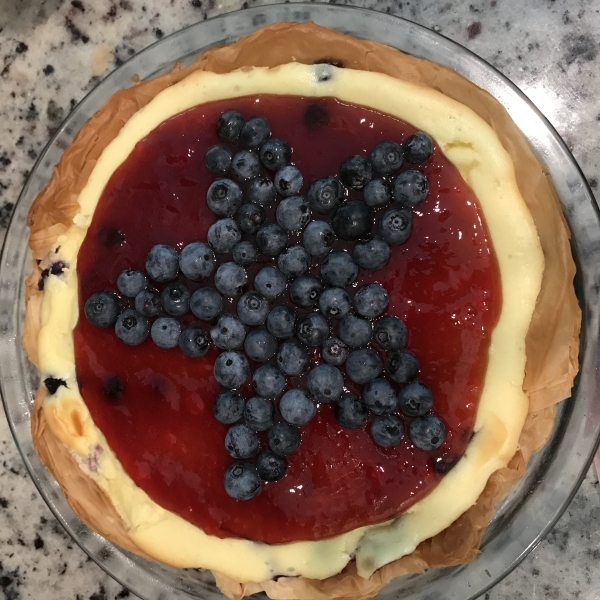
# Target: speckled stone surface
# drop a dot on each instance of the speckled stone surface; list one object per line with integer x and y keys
{"x": 52, "y": 52}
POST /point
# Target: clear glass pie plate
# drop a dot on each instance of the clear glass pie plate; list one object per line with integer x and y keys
{"x": 554, "y": 474}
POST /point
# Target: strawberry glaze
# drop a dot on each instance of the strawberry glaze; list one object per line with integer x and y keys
{"x": 444, "y": 283}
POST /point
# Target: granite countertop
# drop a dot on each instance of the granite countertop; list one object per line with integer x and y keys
{"x": 52, "y": 52}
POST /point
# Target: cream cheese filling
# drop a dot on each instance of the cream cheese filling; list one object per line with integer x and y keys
{"x": 473, "y": 147}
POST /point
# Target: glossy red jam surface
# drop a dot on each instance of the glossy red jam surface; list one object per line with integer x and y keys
{"x": 443, "y": 283}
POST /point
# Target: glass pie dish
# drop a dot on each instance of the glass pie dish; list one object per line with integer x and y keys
{"x": 554, "y": 474}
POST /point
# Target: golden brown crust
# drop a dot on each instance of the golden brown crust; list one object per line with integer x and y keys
{"x": 552, "y": 341}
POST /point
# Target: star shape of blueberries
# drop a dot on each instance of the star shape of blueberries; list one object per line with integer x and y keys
{"x": 292, "y": 298}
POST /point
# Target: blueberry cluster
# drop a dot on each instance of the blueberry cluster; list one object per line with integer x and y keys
{"x": 292, "y": 262}
{"x": 133, "y": 324}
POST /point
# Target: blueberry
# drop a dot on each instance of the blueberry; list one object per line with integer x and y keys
{"x": 353, "y": 221}
{"x": 325, "y": 195}
{"x": 244, "y": 253}
{"x": 231, "y": 369}
{"x": 390, "y": 333}
{"x": 271, "y": 466}
{"x": 356, "y": 172}
{"x": 377, "y": 193}
{"x": 228, "y": 407}
{"x": 131, "y": 327}
{"x": 410, "y": 188}
{"x": 339, "y": 269}
{"x": 260, "y": 345}
{"x": 274, "y": 154}
{"x": 294, "y": 261}
{"x": 335, "y": 303}
{"x": 325, "y": 383}
{"x": 230, "y": 126}
{"x": 230, "y": 279}
{"x": 218, "y": 160}
{"x": 318, "y": 238}
{"x": 305, "y": 290}
{"x": 387, "y": 431}
{"x": 395, "y": 225}
{"x": 175, "y": 299}
{"x": 165, "y": 332}
{"x": 102, "y": 309}
{"x": 288, "y": 181}
{"x": 415, "y": 399}
{"x": 224, "y": 197}
{"x": 194, "y": 341}
{"x": 351, "y": 412}
{"x": 262, "y": 192}
{"x": 249, "y": 217}
{"x": 354, "y": 331}
{"x": 387, "y": 157}
{"x": 370, "y": 300}
{"x": 334, "y": 351}
{"x": 255, "y": 132}
{"x": 296, "y": 407}
{"x": 270, "y": 282}
{"x": 363, "y": 366}
{"x": 283, "y": 438}
{"x": 312, "y": 329}
{"x": 223, "y": 235}
{"x": 130, "y": 283}
{"x": 268, "y": 381}
{"x": 252, "y": 309}
{"x": 241, "y": 481}
{"x": 228, "y": 333}
{"x": 244, "y": 167}
{"x": 197, "y": 261}
{"x": 147, "y": 303}
{"x": 402, "y": 366}
{"x": 52, "y": 384}
{"x": 380, "y": 397}
{"x": 427, "y": 433}
{"x": 293, "y": 213}
{"x": 293, "y": 358}
{"x": 271, "y": 239}
{"x": 281, "y": 322}
{"x": 258, "y": 413}
{"x": 241, "y": 441}
{"x": 162, "y": 263}
{"x": 206, "y": 304}
{"x": 373, "y": 254}
{"x": 418, "y": 148}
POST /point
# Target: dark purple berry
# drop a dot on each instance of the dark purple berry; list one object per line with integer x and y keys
{"x": 418, "y": 148}
{"x": 218, "y": 160}
{"x": 255, "y": 132}
{"x": 230, "y": 126}
{"x": 241, "y": 481}
{"x": 395, "y": 225}
{"x": 353, "y": 221}
{"x": 387, "y": 157}
{"x": 410, "y": 188}
{"x": 224, "y": 197}
{"x": 274, "y": 154}
{"x": 102, "y": 309}
{"x": 363, "y": 366}
{"x": 194, "y": 341}
{"x": 356, "y": 172}
{"x": 427, "y": 433}
{"x": 387, "y": 431}
{"x": 351, "y": 412}
{"x": 415, "y": 399}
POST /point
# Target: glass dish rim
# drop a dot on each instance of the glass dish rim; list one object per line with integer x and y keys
{"x": 342, "y": 9}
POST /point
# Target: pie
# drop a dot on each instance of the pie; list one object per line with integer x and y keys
{"x": 134, "y": 178}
